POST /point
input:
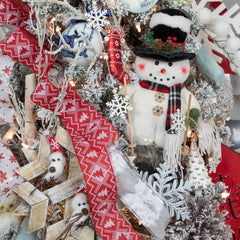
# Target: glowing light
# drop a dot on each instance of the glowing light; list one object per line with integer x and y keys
{"x": 25, "y": 146}
{"x": 138, "y": 27}
{"x": 73, "y": 83}
{"x": 9, "y": 134}
{"x": 58, "y": 29}
{"x": 189, "y": 133}
{"x": 225, "y": 194}
{"x": 154, "y": 8}
{"x": 120, "y": 87}
{"x": 53, "y": 20}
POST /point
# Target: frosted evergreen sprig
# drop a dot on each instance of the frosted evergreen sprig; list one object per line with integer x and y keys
{"x": 172, "y": 191}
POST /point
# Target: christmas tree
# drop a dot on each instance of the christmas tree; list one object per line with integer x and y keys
{"x": 112, "y": 117}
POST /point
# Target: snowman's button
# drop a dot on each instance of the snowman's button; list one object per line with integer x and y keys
{"x": 159, "y": 97}
{"x": 158, "y": 111}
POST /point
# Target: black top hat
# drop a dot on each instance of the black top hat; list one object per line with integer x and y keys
{"x": 165, "y": 40}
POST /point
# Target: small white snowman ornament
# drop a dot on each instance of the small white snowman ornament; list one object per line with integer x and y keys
{"x": 80, "y": 209}
{"x": 57, "y": 161}
{"x": 162, "y": 66}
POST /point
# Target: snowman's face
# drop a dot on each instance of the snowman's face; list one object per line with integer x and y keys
{"x": 79, "y": 202}
{"x": 166, "y": 73}
{"x": 57, "y": 158}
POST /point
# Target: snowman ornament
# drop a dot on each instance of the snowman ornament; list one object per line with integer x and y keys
{"x": 80, "y": 209}
{"x": 162, "y": 66}
{"x": 57, "y": 161}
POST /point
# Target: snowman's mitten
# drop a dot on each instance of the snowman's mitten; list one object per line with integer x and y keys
{"x": 193, "y": 117}
{"x": 115, "y": 56}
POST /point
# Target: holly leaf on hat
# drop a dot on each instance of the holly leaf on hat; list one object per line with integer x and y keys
{"x": 148, "y": 40}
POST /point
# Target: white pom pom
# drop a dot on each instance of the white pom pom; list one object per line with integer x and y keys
{"x": 232, "y": 45}
{"x": 220, "y": 28}
{"x": 236, "y": 58}
{"x": 203, "y": 16}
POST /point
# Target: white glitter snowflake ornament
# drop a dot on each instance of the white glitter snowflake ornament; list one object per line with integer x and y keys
{"x": 178, "y": 122}
{"x": 119, "y": 106}
{"x": 97, "y": 17}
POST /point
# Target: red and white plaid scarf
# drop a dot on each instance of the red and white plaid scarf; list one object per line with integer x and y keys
{"x": 174, "y": 101}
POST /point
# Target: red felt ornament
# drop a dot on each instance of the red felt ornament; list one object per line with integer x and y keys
{"x": 115, "y": 56}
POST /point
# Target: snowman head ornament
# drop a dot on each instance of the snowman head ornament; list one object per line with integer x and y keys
{"x": 163, "y": 60}
{"x": 80, "y": 208}
{"x": 57, "y": 161}
{"x": 162, "y": 66}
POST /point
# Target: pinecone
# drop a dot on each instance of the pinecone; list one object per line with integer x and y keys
{"x": 157, "y": 44}
{"x": 168, "y": 46}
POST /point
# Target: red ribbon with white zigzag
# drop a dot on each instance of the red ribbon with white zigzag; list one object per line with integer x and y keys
{"x": 90, "y": 133}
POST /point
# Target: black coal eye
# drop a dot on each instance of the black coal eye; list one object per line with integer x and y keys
{"x": 170, "y": 64}
{"x": 79, "y": 204}
{"x": 53, "y": 160}
{"x": 84, "y": 203}
{"x": 156, "y": 62}
{"x": 58, "y": 159}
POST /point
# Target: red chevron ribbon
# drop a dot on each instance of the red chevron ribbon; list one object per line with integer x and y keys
{"x": 13, "y": 12}
{"x": 22, "y": 47}
{"x": 90, "y": 133}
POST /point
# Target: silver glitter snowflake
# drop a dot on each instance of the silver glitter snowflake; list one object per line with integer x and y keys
{"x": 119, "y": 106}
{"x": 97, "y": 17}
{"x": 178, "y": 122}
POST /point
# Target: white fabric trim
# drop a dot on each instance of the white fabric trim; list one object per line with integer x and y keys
{"x": 170, "y": 21}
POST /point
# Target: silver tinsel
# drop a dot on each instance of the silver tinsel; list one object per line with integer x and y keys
{"x": 216, "y": 104}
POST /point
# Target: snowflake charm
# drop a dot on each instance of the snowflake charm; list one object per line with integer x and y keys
{"x": 97, "y": 18}
{"x": 119, "y": 106}
{"x": 178, "y": 122}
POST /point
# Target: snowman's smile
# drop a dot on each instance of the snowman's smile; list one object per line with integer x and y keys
{"x": 155, "y": 78}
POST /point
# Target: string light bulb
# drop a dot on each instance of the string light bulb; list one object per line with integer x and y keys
{"x": 138, "y": 27}
{"x": 73, "y": 83}
{"x": 25, "y": 146}
{"x": 225, "y": 194}
{"x": 8, "y": 136}
{"x": 154, "y": 8}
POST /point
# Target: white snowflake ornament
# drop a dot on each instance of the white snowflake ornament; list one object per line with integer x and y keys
{"x": 119, "y": 106}
{"x": 178, "y": 122}
{"x": 97, "y": 18}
